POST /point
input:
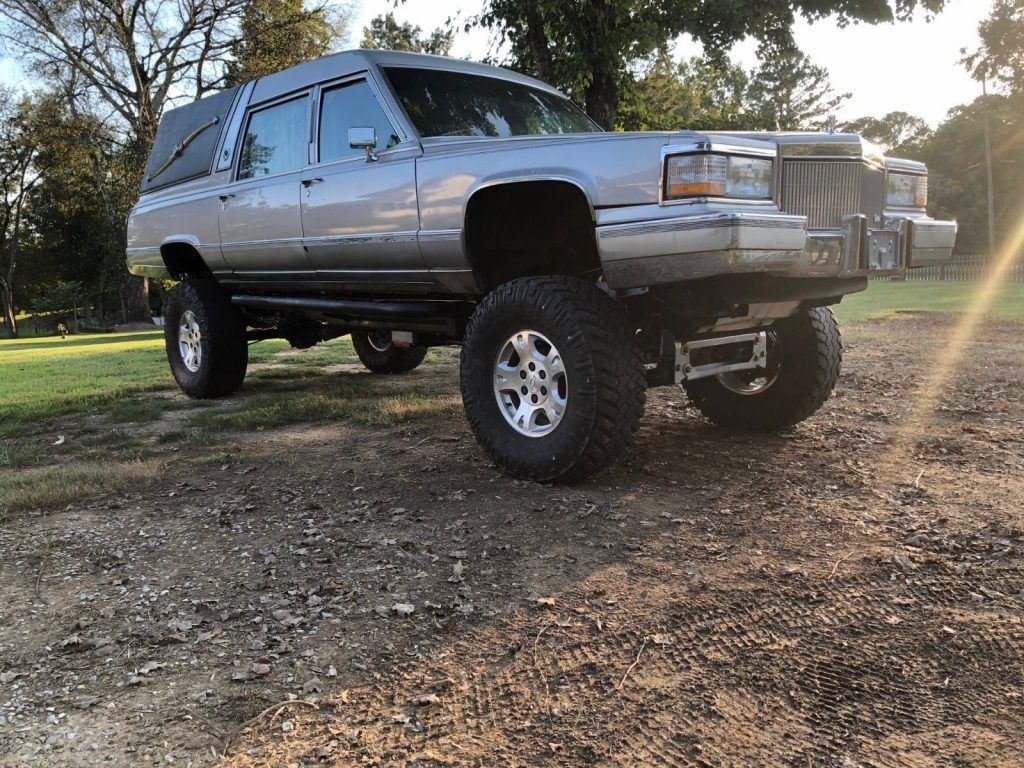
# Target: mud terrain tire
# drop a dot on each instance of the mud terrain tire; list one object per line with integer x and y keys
{"x": 601, "y": 384}
{"x": 810, "y": 356}
{"x": 382, "y": 357}
{"x": 205, "y": 339}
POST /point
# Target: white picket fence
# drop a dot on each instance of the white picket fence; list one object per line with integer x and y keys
{"x": 963, "y": 269}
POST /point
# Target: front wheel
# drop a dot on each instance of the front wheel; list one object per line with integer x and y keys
{"x": 205, "y": 339}
{"x": 552, "y": 378}
{"x": 805, "y": 355}
{"x": 378, "y": 352}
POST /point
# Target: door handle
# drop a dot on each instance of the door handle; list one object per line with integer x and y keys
{"x": 310, "y": 182}
{"x": 224, "y": 198}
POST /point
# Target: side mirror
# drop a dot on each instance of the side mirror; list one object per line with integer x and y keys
{"x": 364, "y": 138}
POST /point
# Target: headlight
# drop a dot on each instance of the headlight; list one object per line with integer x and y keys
{"x": 907, "y": 191}
{"x": 707, "y": 175}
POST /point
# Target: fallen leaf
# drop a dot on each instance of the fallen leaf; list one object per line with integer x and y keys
{"x": 151, "y": 666}
{"x": 905, "y": 563}
{"x": 403, "y": 609}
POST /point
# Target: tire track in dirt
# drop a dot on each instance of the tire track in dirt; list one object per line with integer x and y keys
{"x": 731, "y": 674}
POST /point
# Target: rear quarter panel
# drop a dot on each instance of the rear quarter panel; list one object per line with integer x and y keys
{"x": 187, "y": 213}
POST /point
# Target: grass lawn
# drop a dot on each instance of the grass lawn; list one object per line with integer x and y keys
{"x": 884, "y": 298}
{"x": 42, "y": 377}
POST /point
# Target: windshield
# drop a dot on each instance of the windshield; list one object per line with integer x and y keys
{"x": 442, "y": 103}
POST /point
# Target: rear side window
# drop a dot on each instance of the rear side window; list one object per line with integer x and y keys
{"x": 351, "y": 106}
{"x": 275, "y": 140}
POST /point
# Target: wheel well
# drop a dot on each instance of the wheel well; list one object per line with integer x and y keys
{"x": 183, "y": 261}
{"x": 530, "y": 228}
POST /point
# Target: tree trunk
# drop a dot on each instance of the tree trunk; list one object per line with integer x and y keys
{"x": 602, "y": 91}
{"x": 7, "y": 299}
{"x": 136, "y": 299}
{"x": 603, "y": 98}
{"x": 539, "y": 46}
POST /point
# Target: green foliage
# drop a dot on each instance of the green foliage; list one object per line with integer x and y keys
{"x": 1001, "y": 55}
{"x": 786, "y": 92}
{"x": 955, "y": 156}
{"x": 278, "y": 34}
{"x": 590, "y": 49}
{"x": 898, "y": 133}
{"x": 60, "y": 299}
{"x": 17, "y": 179}
{"x": 698, "y": 94}
{"x": 386, "y": 33}
{"x": 789, "y": 93}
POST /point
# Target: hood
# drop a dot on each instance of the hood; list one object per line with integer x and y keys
{"x": 615, "y": 169}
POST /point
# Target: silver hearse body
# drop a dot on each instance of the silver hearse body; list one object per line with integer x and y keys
{"x": 394, "y": 219}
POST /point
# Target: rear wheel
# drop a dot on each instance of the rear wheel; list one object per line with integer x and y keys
{"x": 205, "y": 339}
{"x": 552, "y": 378}
{"x": 805, "y": 355}
{"x": 378, "y": 352}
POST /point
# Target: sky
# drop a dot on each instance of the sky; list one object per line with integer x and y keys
{"x": 910, "y": 67}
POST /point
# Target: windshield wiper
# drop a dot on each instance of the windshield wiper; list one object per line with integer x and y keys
{"x": 179, "y": 150}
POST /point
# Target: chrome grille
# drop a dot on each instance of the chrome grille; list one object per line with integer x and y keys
{"x": 822, "y": 190}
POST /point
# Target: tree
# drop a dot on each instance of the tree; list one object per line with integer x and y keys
{"x": 386, "y": 33}
{"x": 698, "y": 94}
{"x": 76, "y": 240}
{"x": 955, "y": 156}
{"x": 785, "y": 92}
{"x": 277, "y": 34}
{"x": 1001, "y": 55}
{"x": 133, "y": 57}
{"x": 590, "y": 48}
{"x": 17, "y": 179}
{"x": 789, "y": 93}
{"x": 896, "y": 133}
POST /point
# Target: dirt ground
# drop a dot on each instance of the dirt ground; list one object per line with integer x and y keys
{"x": 354, "y": 595}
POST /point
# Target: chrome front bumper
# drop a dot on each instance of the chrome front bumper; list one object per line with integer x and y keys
{"x": 685, "y": 248}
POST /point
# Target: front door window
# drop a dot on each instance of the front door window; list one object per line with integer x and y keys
{"x": 352, "y": 106}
